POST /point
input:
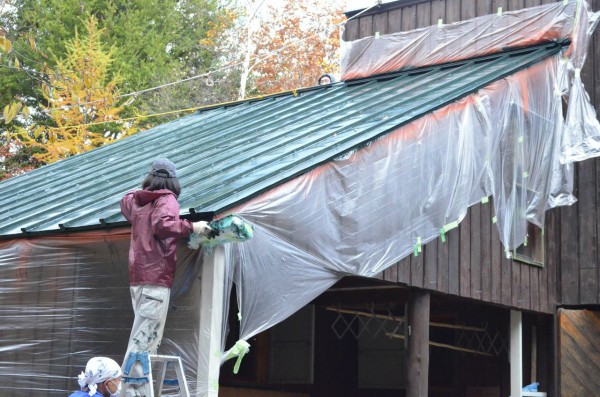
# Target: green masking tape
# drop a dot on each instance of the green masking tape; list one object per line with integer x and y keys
{"x": 443, "y": 235}
{"x": 494, "y": 220}
{"x": 416, "y": 250}
{"x": 450, "y": 226}
{"x": 485, "y": 200}
{"x": 419, "y": 243}
{"x": 240, "y": 349}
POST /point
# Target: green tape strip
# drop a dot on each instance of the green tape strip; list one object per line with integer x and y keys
{"x": 525, "y": 174}
{"x": 416, "y": 250}
{"x": 499, "y": 11}
{"x": 443, "y": 235}
{"x": 450, "y": 226}
{"x": 239, "y": 316}
{"x": 241, "y": 348}
{"x": 419, "y": 243}
{"x": 494, "y": 220}
{"x": 485, "y": 200}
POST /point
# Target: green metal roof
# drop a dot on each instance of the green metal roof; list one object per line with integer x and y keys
{"x": 229, "y": 154}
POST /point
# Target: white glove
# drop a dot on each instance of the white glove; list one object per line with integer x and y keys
{"x": 201, "y": 228}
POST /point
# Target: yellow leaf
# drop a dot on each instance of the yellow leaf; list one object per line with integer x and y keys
{"x": 10, "y": 111}
{"x": 26, "y": 112}
{"x": 32, "y": 42}
{"x": 5, "y": 44}
{"x": 17, "y": 64}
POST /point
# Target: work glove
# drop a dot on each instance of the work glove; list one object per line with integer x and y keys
{"x": 201, "y": 228}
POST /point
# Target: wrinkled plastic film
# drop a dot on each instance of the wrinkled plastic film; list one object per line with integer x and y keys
{"x": 362, "y": 213}
{"x": 66, "y": 299}
{"x": 475, "y": 37}
{"x": 573, "y": 20}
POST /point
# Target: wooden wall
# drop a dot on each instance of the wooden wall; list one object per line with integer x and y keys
{"x": 579, "y": 344}
{"x": 471, "y": 262}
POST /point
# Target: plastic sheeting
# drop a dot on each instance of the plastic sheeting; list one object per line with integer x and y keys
{"x": 66, "y": 299}
{"x": 362, "y": 213}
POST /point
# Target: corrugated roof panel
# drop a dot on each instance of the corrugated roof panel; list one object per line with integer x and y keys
{"x": 229, "y": 154}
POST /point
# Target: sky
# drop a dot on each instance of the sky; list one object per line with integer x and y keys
{"x": 351, "y": 5}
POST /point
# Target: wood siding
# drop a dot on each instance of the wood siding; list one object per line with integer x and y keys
{"x": 579, "y": 344}
{"x": 471, "y": 262}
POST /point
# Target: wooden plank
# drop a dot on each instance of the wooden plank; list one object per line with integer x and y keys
{"x": 404, "y": 271}
{"x": 475, "y": 252}
{"x": 452, "y": 11}
{"x": 499, "y": 3}
{"x": 423, "y": 15}
{"x": 380, "y": 23}
{"x": 588, "y": 242}
{"x": 483, "y": 7}
{"x": 525, "y": 286}
{"x": 589, "y": 286}
{"x": 515, "y": 5}
{"x": 365, "y": 26}
{"x": 351, "y": 30}
{"x": 468, "y": 9}
{"x": 552, "y": 255}
{"x": 531, "y": 3}
{"x": 417, "y": 346}
{"x": 485, "y": 235}
{"x": 507, "y": 291}
{"x": 442, "y": 271}
{"x": 534, "y": 283}
{"x": 454, "y": 262}
{"x": 515, "y": 284}
{"x": 391, "y": 273}
{"x": 438, "y": 11}
{"x": 409, "y": 18}
{"x": 579, "y": 349}
{"x": 416, "y": 271}
{"x": 430, "y": 255}
{"x": 569, "y": 258}
{"x": 465, "y": 256}
{"x": 496, "y": 256}
{"x": 395, "y": 20}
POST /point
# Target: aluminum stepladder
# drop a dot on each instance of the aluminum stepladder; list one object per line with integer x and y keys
{"x": 165, "y": 360}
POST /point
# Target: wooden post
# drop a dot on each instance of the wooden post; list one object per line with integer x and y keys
{"x": 417, "y": 347}
{"x": 211, "y": 320}
{"x": 516, "y": 353}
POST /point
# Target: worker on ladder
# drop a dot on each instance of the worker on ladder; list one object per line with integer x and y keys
{"x": 155, "y": 228}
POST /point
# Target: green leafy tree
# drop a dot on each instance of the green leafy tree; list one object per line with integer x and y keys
{"x": 81, "y": 97}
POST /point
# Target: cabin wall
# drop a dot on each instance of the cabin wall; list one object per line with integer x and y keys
{"x": 471, "y": 262}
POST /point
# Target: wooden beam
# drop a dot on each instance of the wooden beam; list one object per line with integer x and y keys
{"x": 516, "y": 353}
{"x": 417, "y": 352}
{"x": 401, "y": 319}
{"x": 211, "y": 320}
{"x": 444, "y": 345}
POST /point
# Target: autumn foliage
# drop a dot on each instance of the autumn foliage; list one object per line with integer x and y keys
{"x": 296, "y": 44}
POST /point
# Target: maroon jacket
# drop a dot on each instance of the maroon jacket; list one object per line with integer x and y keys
{"x": 155, "y": 229}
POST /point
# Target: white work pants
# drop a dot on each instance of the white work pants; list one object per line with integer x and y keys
{"x": 150, "y": 306}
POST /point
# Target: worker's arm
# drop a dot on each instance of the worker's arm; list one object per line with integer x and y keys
{"x": 127, "y": 205}
{"x": 165, "y": 219}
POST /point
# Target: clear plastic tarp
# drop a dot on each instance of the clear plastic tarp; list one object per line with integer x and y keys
{"x": 65, "y": 299}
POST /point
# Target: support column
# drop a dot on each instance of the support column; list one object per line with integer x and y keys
{"x": 516, "y": 353}
{"x": 417, "y": 348}
{"x": 211, "y": 320}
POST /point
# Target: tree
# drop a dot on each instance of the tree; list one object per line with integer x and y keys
{"x": 286, "y": 46}
{"x": 81, "y": 97}
{"x": 298, "y": 47}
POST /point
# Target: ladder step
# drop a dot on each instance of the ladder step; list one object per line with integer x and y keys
{"x": 160, "y": 382}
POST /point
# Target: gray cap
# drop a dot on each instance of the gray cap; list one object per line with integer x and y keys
{"x": 164, "y": 167}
